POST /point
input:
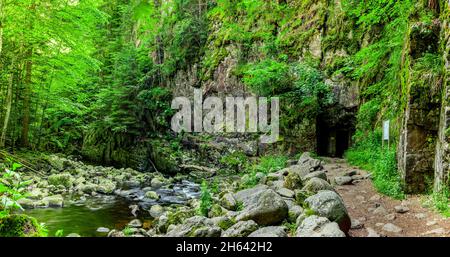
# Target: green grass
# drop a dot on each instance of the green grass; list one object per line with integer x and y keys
{"x": 441, "y": 201}
{"x": 265, "y": 165}
{"x": 381, "y": 162}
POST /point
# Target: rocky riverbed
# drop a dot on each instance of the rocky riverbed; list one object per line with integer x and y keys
{"x": 295, "y": 201}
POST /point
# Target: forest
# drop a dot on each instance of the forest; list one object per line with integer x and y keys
{"x": 86, "y": 108}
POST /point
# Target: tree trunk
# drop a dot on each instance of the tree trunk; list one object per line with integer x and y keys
{"x": 434, "y": 5}
{"x": 26, "y": 99}
{"x": 8, "y": 106}
{"x": 1, "y": 27}
{"x": 27, "y": 84}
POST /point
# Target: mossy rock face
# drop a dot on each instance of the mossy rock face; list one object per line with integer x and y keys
{"x": 64, "y": 179}
{"x": 20, "y": 226}
{"x": 164, "y": 157}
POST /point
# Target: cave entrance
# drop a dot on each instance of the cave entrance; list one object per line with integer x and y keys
{"x": 334, "y": 133}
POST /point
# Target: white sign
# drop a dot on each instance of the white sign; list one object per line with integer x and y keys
{"x": 386, "y": 130}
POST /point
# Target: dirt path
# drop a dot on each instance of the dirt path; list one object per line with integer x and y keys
{"x": 374, "y": 214}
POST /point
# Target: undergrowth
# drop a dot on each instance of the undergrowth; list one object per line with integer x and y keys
{"x": 369, "y": 154}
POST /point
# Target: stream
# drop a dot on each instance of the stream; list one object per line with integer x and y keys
{"x": 84, "y": 215}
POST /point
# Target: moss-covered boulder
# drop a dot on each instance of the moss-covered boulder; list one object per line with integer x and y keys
{"x": 152, "y": 195}
{"x": 63, "y": 179}
{"x": 106, "y": 186}
{"x": 21, "y": 226}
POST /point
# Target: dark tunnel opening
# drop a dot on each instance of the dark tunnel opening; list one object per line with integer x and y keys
{"x": 334, "y": 132}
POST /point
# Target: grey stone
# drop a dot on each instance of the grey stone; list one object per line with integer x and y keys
{"x": 103, "y": 230}
{"x": 262, "y": 205}
{"x": 196, "y": 226}
{"x": 152, "y": 195}
{"x": 372, "y": 233}
{"x": 330, "y": 205}
{"x": 389, "y": 227}
{"x": 229, "y": 201}
{"x": 135, "y": 223}
{"x": 315, "y": 185}
{"x": 316, "y": 174}
{"x": 241, "y": 229}
{"x": 54, "y": 200}
{"x": 286, "y": 192}
{"x": 106, "y": 186}
{"x": 390, "y": 217}
{"x": 315, "y": 226}
{"x": 73, "y": 235}
{"x": 156, "y": 211}
{"x": 380, "y": 210}
{"x": 294, "y": 211}
{"x": 271, "y": 231}
{"x": 156, "y": 183}
{"x": 345, "y": 180}
{"x": 401, "y": 209}
{"x": 356, "y": 224}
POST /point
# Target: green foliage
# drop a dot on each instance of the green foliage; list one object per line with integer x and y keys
{"x": 291, "y": 227}
{"x": 268, "y": 77}
{"x": 235, "y": 160}
{"x": 441, "y": 201}
{"x": 300, "y": 87}
{"x": 128, "y": 231}
{"x": 368, "y": 115}
{"x": 271, "y": 163}
{"x": 239, "y": 206}
{"x": 205, "y": 200}
{"x": 369, "y": 154}
{"x": 378, "y": 65}
{"x": 215, "y": 186}
{"x": 12, "y": 189}
{"x": 264, "y": 166}
{"x": 21, "y": 226}
{"x": 59, "y": 233}
{"x": 157, "y": 101}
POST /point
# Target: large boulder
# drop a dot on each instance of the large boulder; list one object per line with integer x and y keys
{"x": 196, "y": 226}
{"x": 293, "y": 180}
{"x": 27, "y": 203}
{"x": 315, "y": 185}
{"x": 247, "y": 196}
{"x": 241, "y": 229}
{"x": 54, "y": 200}
{"x": 330, "y": 205}
{"x": 156, "y": 211}
{"x": 309, "y": 164}
{"x": 106, "y": 186}
{"x": 271, "y": 231}
{"x": 229, "y": 201}
{"x": 315, "y": 226}
{"x": 262, "y": 205}
{"x": 63, "y": 179}
{"x": 20, "y": 225}
{"x": 152, "y": 195}
{"x": 294, "y": 210}
{"x": 87, "y": 188}
{"x": 56, "y": 162}
{"x": 315, "y": 174}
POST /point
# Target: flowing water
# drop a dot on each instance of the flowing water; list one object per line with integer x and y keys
{"x": 85, "y": 215}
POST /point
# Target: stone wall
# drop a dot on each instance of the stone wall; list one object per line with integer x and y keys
{"x": 420, "y": 120}
{"x": 442, "y": 160}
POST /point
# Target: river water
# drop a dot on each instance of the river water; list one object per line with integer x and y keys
{"x": 84, "y": 215}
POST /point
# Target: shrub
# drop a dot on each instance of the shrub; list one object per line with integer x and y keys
{"x": 265, "y": 165}
{"x": 381, "y": 162}
{"x": 205, "y": 200}
{"x": 235, "y": 160}
{"x": 12, "y": 189}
